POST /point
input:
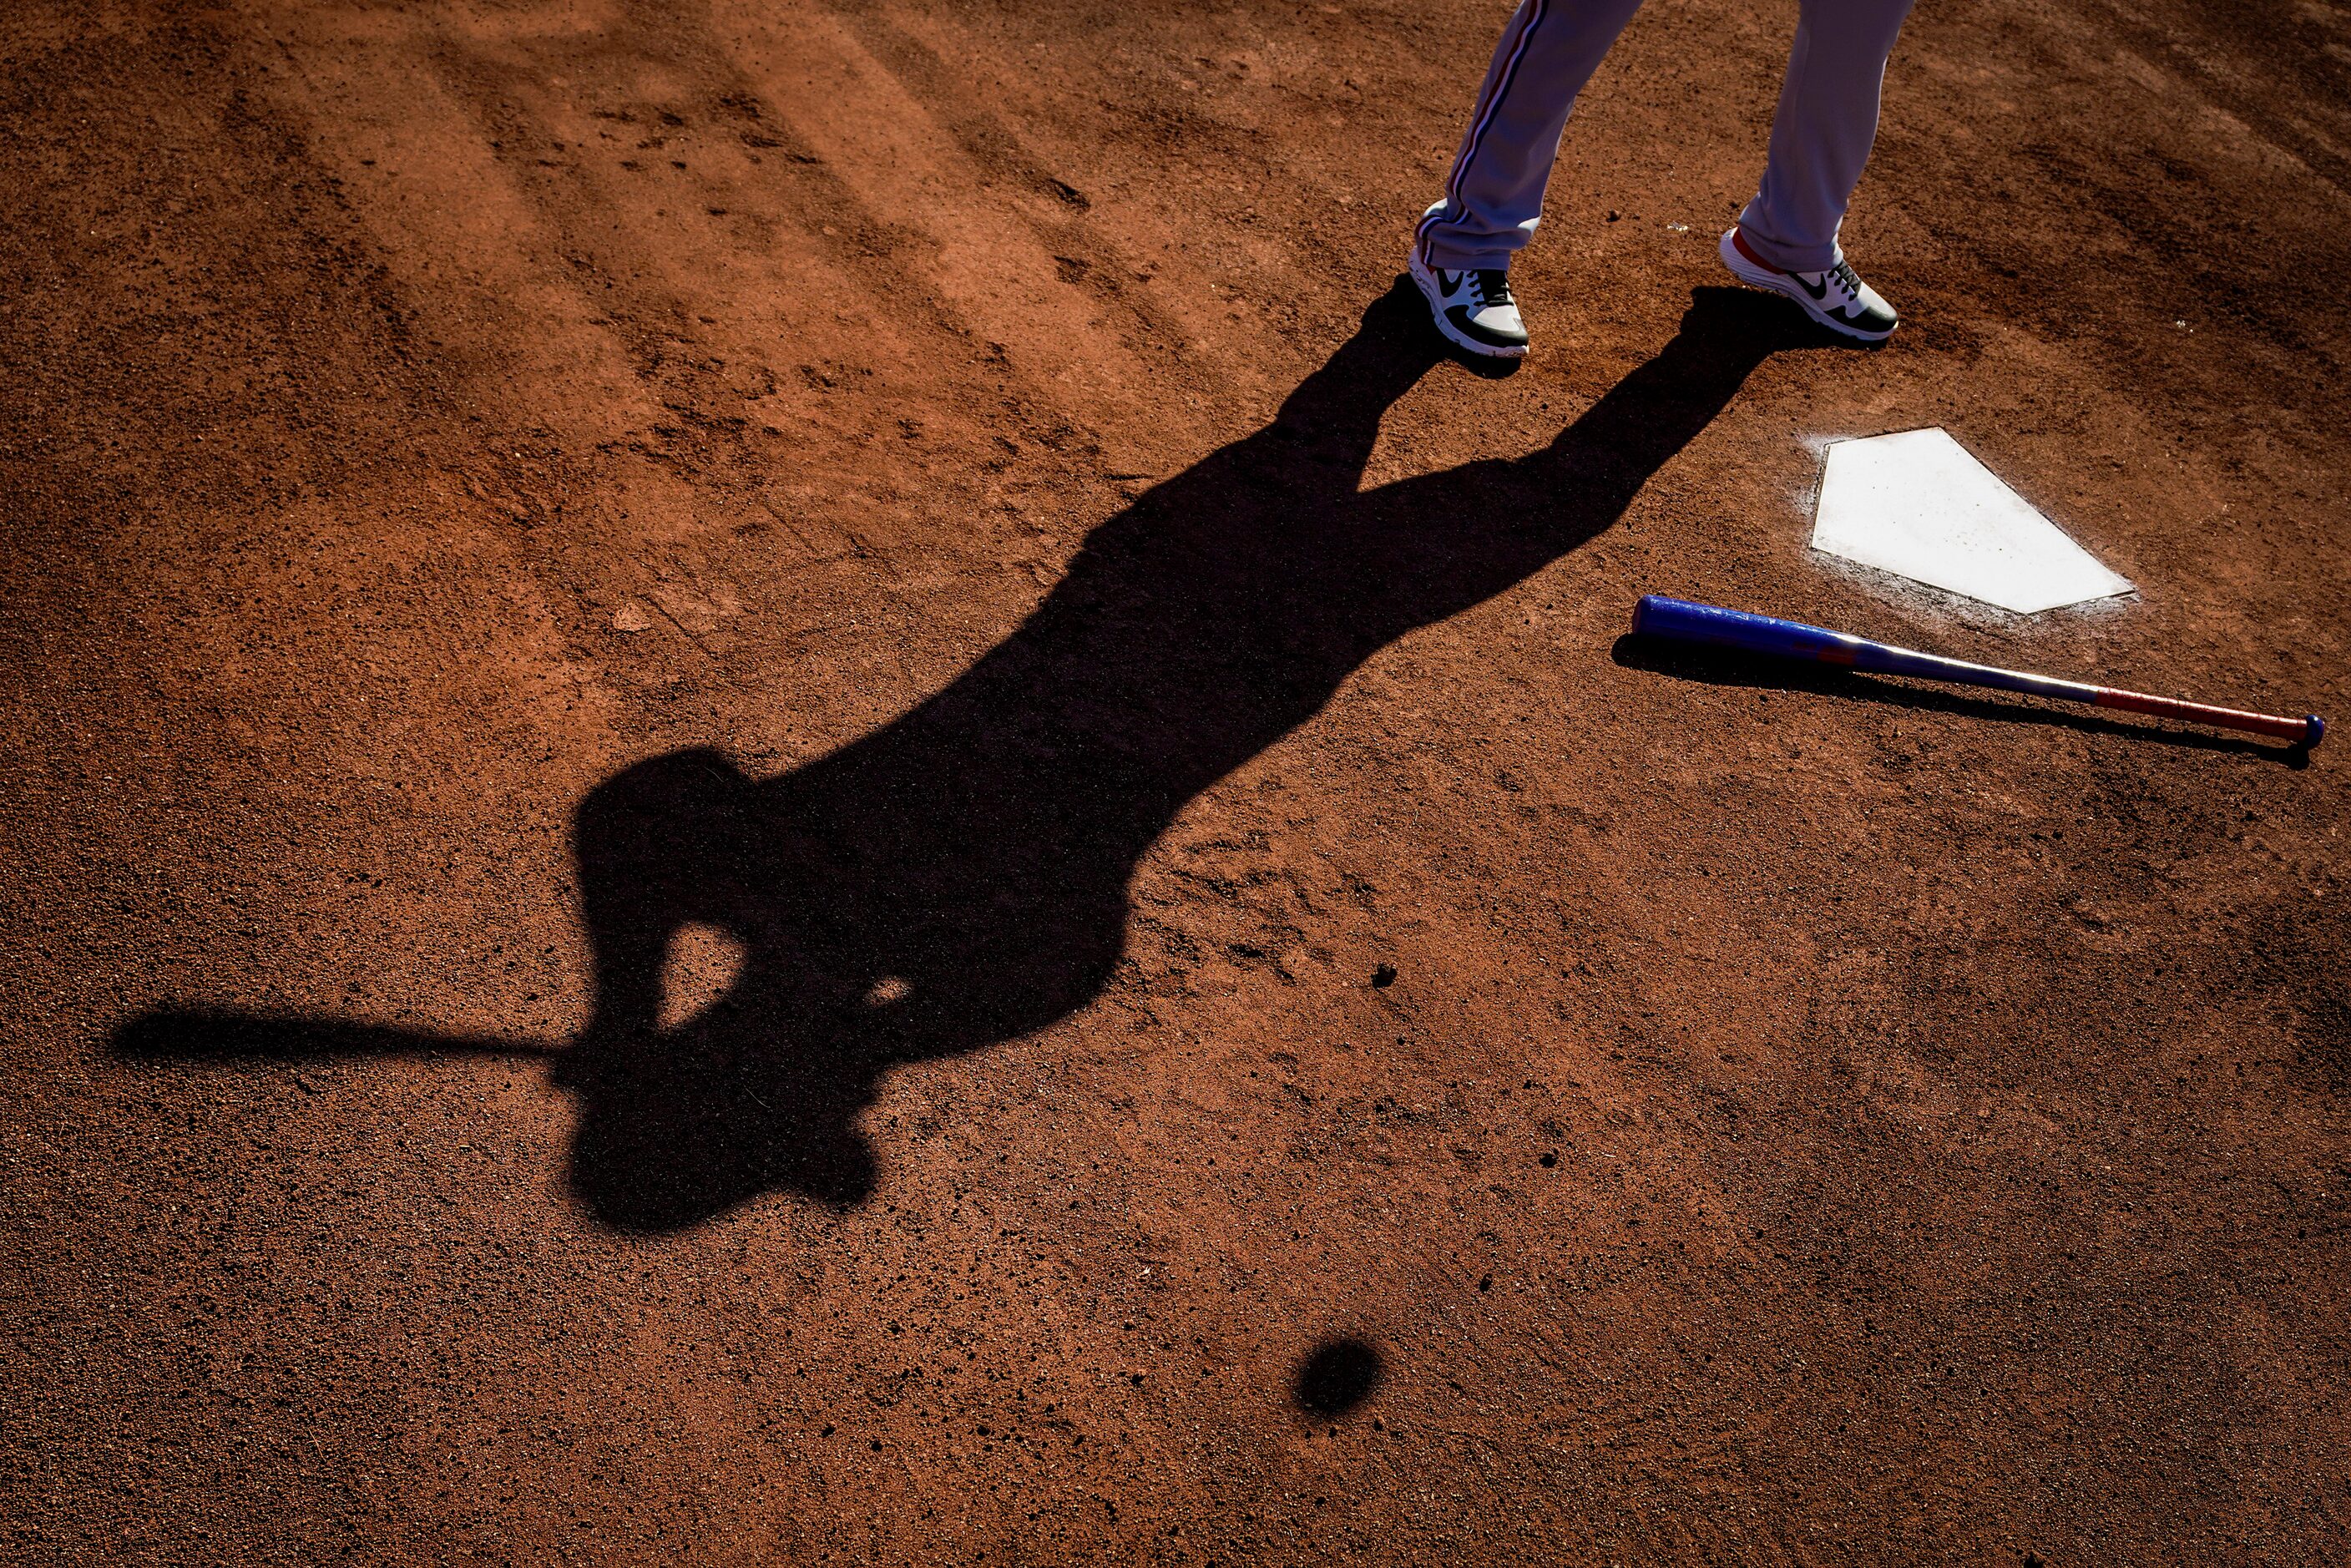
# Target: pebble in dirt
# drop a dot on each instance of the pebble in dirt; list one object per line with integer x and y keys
{"x": 1918, "y": 504}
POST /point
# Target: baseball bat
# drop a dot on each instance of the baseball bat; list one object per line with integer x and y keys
{"x": 1678, "y": 620}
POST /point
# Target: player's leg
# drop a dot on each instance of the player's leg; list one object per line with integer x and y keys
{"x": 1493, "y": 198}
{"x": 1786, "y": 238}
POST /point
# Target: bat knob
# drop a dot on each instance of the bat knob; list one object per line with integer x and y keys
{"x": 2317, "y": 731}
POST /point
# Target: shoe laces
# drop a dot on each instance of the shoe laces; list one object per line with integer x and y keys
{"x": 1846, "y": 278}
{"x": 1492, "y": 286}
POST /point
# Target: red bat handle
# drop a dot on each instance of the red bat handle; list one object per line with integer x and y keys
{"x": 2305, "y": 729}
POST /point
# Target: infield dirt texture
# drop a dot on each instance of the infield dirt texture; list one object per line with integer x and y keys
{"x": 1172, "y": 996}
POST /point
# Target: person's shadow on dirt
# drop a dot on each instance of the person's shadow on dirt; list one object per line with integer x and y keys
{"x": 958, "y": 877}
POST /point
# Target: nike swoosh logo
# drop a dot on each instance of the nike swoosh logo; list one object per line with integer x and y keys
{"x": 1818, "y": 294}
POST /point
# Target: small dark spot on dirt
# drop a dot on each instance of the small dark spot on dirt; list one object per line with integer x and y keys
{"x": 1069, "y": 194}
{"x": 1338, "y": 1375}
{"x": 827, "y": 1430}
{"x": 1549, "y": 1160}
{"x": 1385, "y": 975}
{"x": 2033, "y": 1560}
{"x": 1485, "y": 1281}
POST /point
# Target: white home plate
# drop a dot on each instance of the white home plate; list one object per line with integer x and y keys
{"x": 1918, "y": 503}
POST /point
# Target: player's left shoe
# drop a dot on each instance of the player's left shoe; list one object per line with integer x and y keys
{"x": 1474, "y": 309}
{"x": 1837, "y": 298}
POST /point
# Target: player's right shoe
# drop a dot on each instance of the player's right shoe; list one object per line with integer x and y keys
{"x": 1473, "y": 309}
{"x": 1837, "y": 298}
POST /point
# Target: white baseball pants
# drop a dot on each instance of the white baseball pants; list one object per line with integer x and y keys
{"x": 1821, "y": 136}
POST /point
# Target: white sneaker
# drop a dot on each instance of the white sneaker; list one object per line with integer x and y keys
{"x": 1837, "y": 298}
{"x": 1473, "y": 309}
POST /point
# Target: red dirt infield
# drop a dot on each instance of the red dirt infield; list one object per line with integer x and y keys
{"x": 790, "y": 782}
